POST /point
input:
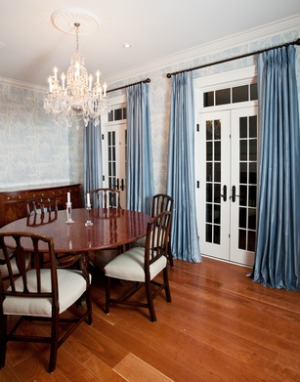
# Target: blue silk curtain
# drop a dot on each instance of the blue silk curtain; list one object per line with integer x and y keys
{"x": 277, "y": 262}
{"x": 181, "y": 170}
{"x": 139, "y": 189}
{"x": 92, "y": 148}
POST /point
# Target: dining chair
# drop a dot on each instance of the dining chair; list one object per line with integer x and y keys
{"x": 141, "y": 266}
{"x": 160, "y": 203}
{"x": 41, "y": 205}
{"x": 41, "y": 294}
{"x": 43, "y": 210}
{"x": 106, "y": 197}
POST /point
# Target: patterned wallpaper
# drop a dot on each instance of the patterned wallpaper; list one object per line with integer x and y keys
{"x": 37, "y": 150}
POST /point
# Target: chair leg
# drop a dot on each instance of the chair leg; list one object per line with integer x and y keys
{"x": 3, "y": 341}
{"x": 107, "y": 294}
{"x": 150, "y": 301}
{"x": 170, "y": 255}
{"x": 54, "y": 345}
{"x": 166, "y": 284}
{"x": 89, "y": 306}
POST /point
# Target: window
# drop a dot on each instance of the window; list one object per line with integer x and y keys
{"x": 226, "y": 96}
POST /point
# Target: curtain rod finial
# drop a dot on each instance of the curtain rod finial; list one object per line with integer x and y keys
{"x": 169, "y": 75}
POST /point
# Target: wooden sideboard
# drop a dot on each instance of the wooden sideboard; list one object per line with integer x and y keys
{"x": 13, "y": 203}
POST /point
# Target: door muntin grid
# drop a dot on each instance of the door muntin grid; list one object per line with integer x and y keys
{"x": 111, "y": 159}
{"x": 247, "y": 182}
{"x": 213, "y": 182}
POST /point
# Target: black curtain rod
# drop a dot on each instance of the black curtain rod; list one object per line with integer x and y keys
{"x": 146, "y": 81}
{"x": 296, "y": 42}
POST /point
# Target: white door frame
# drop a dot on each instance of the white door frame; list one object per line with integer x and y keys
{"x": 206, "y": 84}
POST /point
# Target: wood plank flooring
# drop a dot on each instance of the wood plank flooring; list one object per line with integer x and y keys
{"x": 220, "y": 326}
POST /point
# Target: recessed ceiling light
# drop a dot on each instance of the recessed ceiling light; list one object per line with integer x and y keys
{"x": 127, "y": 45}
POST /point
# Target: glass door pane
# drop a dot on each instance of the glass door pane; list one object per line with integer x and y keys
{"x": 214, "y": 174}
{"x": 244, "y": 185}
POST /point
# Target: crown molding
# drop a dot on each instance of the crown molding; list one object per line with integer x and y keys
{"x": 23, "y": 85}
{"x": 217, "y": 46}
{"x": 172, "y": 62}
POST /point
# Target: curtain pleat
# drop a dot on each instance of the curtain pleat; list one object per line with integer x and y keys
{"x": 181, "y": 170}
{"x": 277, "y": 260}
{"x": 93, "y": 170}
{"x": 139, "y": 190}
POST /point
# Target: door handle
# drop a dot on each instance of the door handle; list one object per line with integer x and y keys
{"x": 122, "y": 184}
{"x": 224, "y": 196}
{"x": 234, "y": 195}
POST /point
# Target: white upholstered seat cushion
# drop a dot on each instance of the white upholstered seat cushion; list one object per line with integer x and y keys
{"x": 130, "y": 266}
{"x": 71, "y": 286}
{"x": 3, "y": 267}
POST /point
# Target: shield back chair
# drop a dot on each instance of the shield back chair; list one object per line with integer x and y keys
{"x": 160, "y": 203}
{"x": 39, "y": 293}
{"x": 104, "y": 198}
{"x": 39, "y": 206}
{"x": 42, "y": 211}
{"x": 141, "y": 266}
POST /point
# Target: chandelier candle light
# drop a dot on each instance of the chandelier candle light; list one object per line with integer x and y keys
{"x": 76, "y": 93}
{"x": 69, "y": 209}
{"x": 88, "y": 209}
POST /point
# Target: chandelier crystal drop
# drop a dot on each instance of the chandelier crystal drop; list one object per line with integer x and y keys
{"x": 76, "y": 94}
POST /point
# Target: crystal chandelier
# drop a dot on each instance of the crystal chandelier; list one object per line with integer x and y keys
{"x": 75, "y": 93}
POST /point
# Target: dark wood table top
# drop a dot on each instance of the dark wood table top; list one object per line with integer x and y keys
{"x": 110, "y": 228}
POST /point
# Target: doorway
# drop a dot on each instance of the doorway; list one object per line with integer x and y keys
{"x": 114, "y": 144}
{"x": 227, "y": 181}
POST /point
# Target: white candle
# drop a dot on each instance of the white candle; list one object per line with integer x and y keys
{"x": 104, "y": 89}
{"x": 50, "y": 84}
{"x": 69, "y": 197}
{"x": 88, "y": 200}
{"x": 98, "y": 77}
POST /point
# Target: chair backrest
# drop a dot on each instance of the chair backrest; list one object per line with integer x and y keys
{"x": 3, "y": 267}
{"x": 41, "y": 205}
{"x": 161, "y": 203}
{"x": 28, "y": 284}
{"x": 105, "y": 198}
{"x": 157, "y": 238}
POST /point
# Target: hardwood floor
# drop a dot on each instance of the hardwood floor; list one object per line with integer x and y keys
{"x": 220, "y": 326}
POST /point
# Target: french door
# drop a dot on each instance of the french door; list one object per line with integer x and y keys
{"x": 114, "y": 157}
{"x": 227, "y": 184}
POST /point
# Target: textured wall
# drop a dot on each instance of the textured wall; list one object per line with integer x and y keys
{"x": 35, "y": 150}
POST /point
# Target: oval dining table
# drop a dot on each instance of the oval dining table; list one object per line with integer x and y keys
{"x": 85, "y": 230}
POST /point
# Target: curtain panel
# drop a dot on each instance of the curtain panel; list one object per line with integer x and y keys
{"x": 181, "y": 170}
{"x": 139, "y": 190}
{"x": 277, "y": 261}
{"x": 92, "y": 153}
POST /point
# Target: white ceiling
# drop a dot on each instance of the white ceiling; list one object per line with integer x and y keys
{"x": 30, "y": 45}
